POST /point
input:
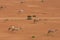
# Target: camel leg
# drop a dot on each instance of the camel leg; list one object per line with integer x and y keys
{"x": 13, "y": 30}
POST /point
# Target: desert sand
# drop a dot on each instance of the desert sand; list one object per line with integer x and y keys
{"x": 48, "y": 11}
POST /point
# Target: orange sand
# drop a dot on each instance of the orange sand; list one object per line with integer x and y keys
{"x": 49, "y": 8}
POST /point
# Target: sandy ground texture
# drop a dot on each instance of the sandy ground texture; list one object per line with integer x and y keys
{"x": 15, "y": 12}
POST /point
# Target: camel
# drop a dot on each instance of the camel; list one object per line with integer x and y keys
{"x": 13, "y": 28}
